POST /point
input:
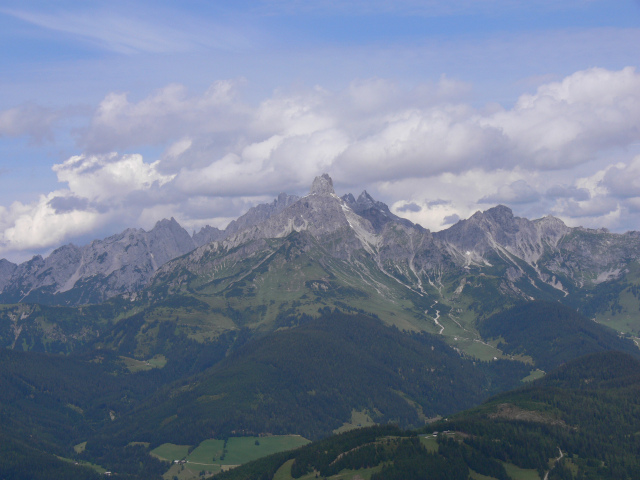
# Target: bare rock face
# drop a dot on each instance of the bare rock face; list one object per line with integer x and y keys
{"x": 376, "y": 212}
{"x": 208, "y": 234}
{"x": 121, "y": 263}
{"x": 6, "y": 270}
{"x": 254, "y": 216}
{"x": 322, "y": 185}
{"x": 321, "y": 213}
{"x": 167, "y": 240}
{"x": 347, "y": 229}
{"x": 496, "y": 228}
{"x": 260, "y": 213}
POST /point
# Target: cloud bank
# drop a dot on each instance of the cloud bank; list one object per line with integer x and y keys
{"x": 567, "y": 149}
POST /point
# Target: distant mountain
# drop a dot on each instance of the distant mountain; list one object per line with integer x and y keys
{"x": 254, "y": 216}
{"x": 323, "y": 250}
{"x": 302, "y": 315}
{"x": 298, "y": 255}
{"x": 120, "y": 264}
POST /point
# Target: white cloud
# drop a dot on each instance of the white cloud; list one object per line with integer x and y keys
{"x": 28, "y": 227}
{"x": 99, "y": 191}
{"x": 445, "y": 198}
{"x": 108, "y": 178}
{"x": 567, "y": 123}
{"x": 432, "y": 156}
{"x": 377, "y": 131}
{"x": 568, "y": 191}
{"x": 168, "y": 114}
{"x": 623, "y": 180}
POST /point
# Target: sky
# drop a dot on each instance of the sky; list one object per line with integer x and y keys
{"x": 118, "y": 114}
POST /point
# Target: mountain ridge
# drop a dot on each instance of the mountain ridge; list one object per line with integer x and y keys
{"x": 319, "y": 250}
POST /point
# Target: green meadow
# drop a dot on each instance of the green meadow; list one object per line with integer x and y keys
{"x": 214, "y": 455}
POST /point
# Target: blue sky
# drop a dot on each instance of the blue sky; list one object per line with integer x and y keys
{"x": 117, "y": 114}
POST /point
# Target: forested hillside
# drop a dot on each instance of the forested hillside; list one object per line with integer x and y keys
{"x": 580, "y": 422}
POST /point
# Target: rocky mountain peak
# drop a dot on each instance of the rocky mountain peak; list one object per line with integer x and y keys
{"x": 550, "y": 222}
{"x": 500, "y": 214}
{"x": 365, "y": 199}
{"x": 166, "y": 225}
{"x": 349, "y": 199}
{"x": 322, "y": 185}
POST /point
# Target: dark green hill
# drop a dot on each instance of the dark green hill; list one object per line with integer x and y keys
{"x": 580, "y": 422}
{"x": 49, "y": 403}
{"x": 21, "y": 461}
{"x": 589, "y": 408}
{"x": 551, "y": 333}
{"x": 308, "y": 380}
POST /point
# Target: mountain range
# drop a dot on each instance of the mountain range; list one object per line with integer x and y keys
{"x": 296, "y": 255}
{"x": 305, "y": 316}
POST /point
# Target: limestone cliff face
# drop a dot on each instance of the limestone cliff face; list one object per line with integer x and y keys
{"x": 354, "y": 231}
{"x": 254, "y": 216}
{"x": 122, "y": 263}
{"x": 498, "y": 228}
{"x": 6, "y": 271}
{"x": 364, "y": 230}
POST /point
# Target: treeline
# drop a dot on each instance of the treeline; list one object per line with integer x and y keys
{"x": 398, "y": 454}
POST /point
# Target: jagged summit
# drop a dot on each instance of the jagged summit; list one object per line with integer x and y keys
{"x": 376, "y": 212}
{"x": 344, "y": 228}
{"x": 322, "y": 185}
{"x": 165, "y": 222}
{"x": 365, "y": 199}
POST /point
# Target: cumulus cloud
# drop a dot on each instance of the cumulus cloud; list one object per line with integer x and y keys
{"x": 450, "y": 219}
{"x": 170, "y": 113}
{"x": 566, "y": 123}
{"x": 99, "y": 191}
{"x": 431, "y": 155}
{"x": 595, "y": 208}
{"x": 409, "y": 207}
{"x": 111, "y": 177}
{"x": 68, "y": 204}
{"x": 29, "y": 227}
{"x": 374, "y": 129}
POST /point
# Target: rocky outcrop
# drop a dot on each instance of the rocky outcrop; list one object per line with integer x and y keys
{"x": 376, "y": 212}
{"x": 208, "y": 234}
{"x": 497, "y": 228}
{"x": 260, "y": 213}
